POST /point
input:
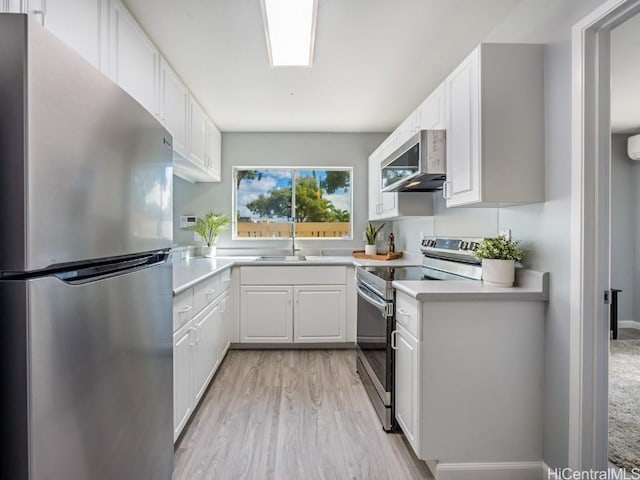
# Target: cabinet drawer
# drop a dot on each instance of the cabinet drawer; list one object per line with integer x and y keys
{"x": 183, "y": 309}
{"x": 206, "y": 292}
{"x": 408, "y": 314}
{"x": 316, "y": 275}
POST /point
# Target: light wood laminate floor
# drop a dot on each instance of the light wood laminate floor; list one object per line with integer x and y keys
{"x": 291, "y": 414}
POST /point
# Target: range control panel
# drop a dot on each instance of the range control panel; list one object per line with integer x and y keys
{"x": 454, "y": 248}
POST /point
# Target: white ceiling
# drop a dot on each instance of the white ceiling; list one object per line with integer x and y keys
{"x": 625, "y": 77}
{"x": 375, "y": 60}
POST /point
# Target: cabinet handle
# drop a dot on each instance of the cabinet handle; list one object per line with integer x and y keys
{"x": 184, "y": 310}
{"x": 394, "y": 343}
{"x": 403, "y": 312}
{"x": 191, "y": 344}
{"x": 445, "y": 190}
{"x": 197, "y": 329}
{"x": 210, "y": 292}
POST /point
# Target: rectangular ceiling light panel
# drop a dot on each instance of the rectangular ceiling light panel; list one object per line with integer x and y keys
{"x": 290, "y": 27}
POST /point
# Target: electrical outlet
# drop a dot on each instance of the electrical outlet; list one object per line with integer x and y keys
{"x": 380, "y": 235}
{"x": 364, "y": 237}
{"x": 506, "y": 233}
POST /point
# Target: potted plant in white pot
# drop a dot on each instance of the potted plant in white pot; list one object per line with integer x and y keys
{"x": 499, "y": 255}
{"x": 209, "y": 227}
{"x": 371, "y": 233}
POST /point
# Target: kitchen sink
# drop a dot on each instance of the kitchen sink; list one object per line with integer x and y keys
{"x": 281, "y": 258}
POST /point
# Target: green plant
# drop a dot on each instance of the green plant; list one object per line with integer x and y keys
{"x": 499, "y": 248}
{"x": 210, "y": 226}
{"x": 371, "y": 233}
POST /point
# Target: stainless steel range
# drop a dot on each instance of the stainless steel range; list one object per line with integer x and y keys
{"x": 445, "y": 259}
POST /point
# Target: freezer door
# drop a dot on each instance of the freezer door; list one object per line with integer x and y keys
{"x": 101, "y": 385}
{"x": 95, "y": 177}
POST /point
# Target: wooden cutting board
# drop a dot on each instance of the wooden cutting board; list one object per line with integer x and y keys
{"x": 379, "y": 256}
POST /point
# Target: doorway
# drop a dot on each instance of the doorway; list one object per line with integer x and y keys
{"x": 592, "y": 219}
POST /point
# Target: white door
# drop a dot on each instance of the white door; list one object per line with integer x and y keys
{"x": 463, "y": 132}
{"x": 183, "y": 344}
{"x": 174, "y": 104}
{"x": 207, "y": 326}
{"x": 78, "y": 24}
{"x": 197, "y": 132}
{"x": 319, "y": 314}
{"x": 407, "y": 381}
{"x": 266, "y": 314}
{"x": 133, "y": 59}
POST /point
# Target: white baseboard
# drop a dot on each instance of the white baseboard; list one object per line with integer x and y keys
{"x": 491, "y": 471}
{"x": 545, "y": 471}
{"x": 628, "y": 324}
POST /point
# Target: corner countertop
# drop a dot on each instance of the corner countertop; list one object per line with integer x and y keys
{"x": 188, "y": 272}
{"x": 530, "y": 286}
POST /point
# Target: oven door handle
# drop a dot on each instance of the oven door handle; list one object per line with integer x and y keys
{"x": 373, "y": 300}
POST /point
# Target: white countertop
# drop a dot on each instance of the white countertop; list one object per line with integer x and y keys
{"x": 530, "y": 286}
{"x": 188, "y": 272}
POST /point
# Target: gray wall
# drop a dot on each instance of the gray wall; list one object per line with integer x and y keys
{"x": 279, "y": 149}
{"x": 624, "y": 222}
{"x": 543, "y": 228}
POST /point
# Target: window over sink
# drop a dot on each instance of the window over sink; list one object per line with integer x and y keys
{"x": 272, "y": 202}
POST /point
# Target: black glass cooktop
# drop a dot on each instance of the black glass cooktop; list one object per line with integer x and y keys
{"x": 390, "y": 274}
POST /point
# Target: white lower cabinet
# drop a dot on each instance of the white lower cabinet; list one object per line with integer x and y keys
{"x": 299, "y": 304}
{"x": 266, "y": 314}
{"x": 319, "y": 314}
{"x": 200, "y": 342}
{"x": 183, "y": 342}
{"x": 407, "y": 380}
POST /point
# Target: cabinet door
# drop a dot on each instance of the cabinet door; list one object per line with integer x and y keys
{"x": 225, "y": 314}
{"x": 266, "y": 314}
{"x": 432, "y": 111}
{"x": 208, "y": 333}
{"x": 319, "y": 314}
{"x": 183, "y": 344}
{"x": 13, "y": 6}
{"x": 213, "y": 151}
{"x": 174, "y": 103}
{"x": 463, "y": 133}
{"x": 388, "y": 201}
{"x": 408, "y": 380}
{"x": 197, "y": 132}
{"x": 133, "y": 59}
{"x": 375, "y": 196}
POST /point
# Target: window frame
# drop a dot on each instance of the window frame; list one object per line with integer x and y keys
{"x": 235, "y": 168}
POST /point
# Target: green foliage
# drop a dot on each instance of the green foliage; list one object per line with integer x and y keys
{"x": 335, "y": 180}
{"x": 247, "y": 175}
{"x": 499, "y": 248}
{"x": 311, "y": 206}
{"x": 210, "y": 226}
{"x": 371, "y": 233}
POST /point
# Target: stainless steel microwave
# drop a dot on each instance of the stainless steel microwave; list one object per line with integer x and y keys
{"x": 418, "y": 165}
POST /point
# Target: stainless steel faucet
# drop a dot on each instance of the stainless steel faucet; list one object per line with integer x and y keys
{"x": 293, "y": 238}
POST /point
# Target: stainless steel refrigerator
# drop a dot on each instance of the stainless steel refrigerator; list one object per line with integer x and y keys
{"x": 85, "y": 285}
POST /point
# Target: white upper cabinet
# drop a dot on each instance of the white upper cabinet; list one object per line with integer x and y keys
{"x": 213, "y": 151}
{"x": 431, "y": 113}
{"x": 197, "y": 132}
{"x": 495, "y": 127}
{"x": 77, "y": 23}
{"x": 463, "y": 158}
{"x": 13, "y": 6}
{"x": 174, "y": 105}
{"x": 134, "y": 61}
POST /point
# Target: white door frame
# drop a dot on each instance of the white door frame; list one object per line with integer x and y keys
{"x": 590, "y": 232}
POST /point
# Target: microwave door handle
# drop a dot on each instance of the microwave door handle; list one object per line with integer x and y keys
{"x": 380, "y": 305}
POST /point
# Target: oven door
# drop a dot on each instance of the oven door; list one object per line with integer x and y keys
{"x": 373, "y": 337}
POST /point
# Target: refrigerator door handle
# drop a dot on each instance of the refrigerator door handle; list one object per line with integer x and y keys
{"x": 99, "y": 271}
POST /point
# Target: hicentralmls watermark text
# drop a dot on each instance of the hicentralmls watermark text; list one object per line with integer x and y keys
{"x": 609, "y": 474}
